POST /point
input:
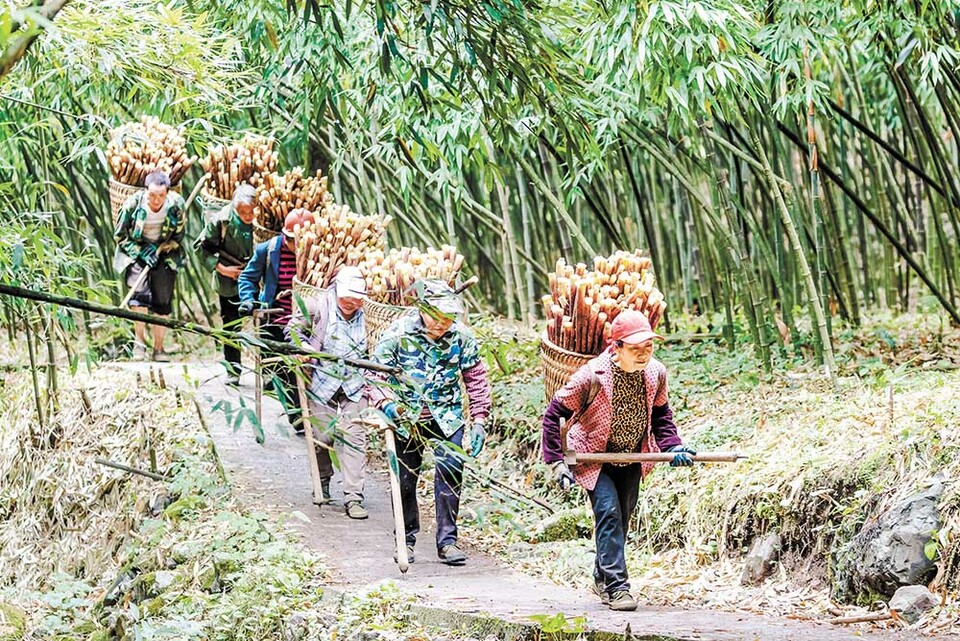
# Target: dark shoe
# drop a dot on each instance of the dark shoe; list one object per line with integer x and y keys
{"x": 452, "y": 555}
{"x": 410, "y": 555}
{"x": 355, "y": 510}
{"x": 600, "y": 589}
{"x": 233, "y": 381}
{"x": 161, "y": 357}
{"x": 622, "y": 601}
{"x": 324, "y": 492}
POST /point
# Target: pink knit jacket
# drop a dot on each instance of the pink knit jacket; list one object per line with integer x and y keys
{"x": 591, "y": 431}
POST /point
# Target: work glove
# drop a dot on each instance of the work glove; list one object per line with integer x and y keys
{"x": 562, "y": 475}
{"x": 245, "y": 307}
{"x": 148, "y": 254}
{"x": 478, "y": 436}
{"x": 682, "y": 459}
{"x": 168, "y": 246}
{"x": 392, "y": 411}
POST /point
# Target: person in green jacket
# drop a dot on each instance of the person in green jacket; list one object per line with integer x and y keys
{"x": 226, "y": 244}
{"x": 149, "y": 231}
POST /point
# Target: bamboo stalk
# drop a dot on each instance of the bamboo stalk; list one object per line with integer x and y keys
{"x": 815, "y": 301}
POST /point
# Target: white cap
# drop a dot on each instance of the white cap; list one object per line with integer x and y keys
{"x": 350, "y": 283}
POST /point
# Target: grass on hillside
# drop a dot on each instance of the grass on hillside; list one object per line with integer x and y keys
{"x": 822, "y": 460}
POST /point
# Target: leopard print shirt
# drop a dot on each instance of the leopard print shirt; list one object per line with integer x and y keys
{"x": 629, "y": 424}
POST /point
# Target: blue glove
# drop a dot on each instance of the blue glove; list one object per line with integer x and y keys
{"x": 682, "y": 459}
{"x": 245, "y": 307}
{"x": 392, "y": 411}
{"x": 478, "y": 435}
{"x": 148, "y": 254}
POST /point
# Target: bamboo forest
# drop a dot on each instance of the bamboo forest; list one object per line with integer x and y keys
{"x": 508, "y": 319}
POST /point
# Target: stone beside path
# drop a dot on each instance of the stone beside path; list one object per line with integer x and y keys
{"x": 274, "y": 478}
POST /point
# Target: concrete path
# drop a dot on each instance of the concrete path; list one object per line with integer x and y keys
{"x": 274, "y": 477}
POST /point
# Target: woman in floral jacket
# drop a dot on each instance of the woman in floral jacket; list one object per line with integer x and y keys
{"x": 615, "y": 403}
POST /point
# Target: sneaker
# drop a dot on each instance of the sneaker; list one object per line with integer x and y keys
{"x": 139, "y": 351}
{"x": 410, "y": 555}
{"x": 452, "y": 555}
{"x": 233, "y": 381}
{"x": 355, "y": 510}
{"x": 600, "y": 589}
{"x": 161, "y": 357}
{"x": 622, "y": 601}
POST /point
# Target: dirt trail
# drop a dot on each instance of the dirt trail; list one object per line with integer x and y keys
{"x": 274, "y": 477}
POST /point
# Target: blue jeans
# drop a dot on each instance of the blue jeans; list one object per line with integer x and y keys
{"x": 447, "y": 481}
{"x": 613, "y": 500}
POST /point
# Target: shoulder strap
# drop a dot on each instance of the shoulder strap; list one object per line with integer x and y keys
{"x": 591, "y": 396}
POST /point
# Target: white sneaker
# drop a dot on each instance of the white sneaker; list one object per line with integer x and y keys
{"x": 139, "y": 351}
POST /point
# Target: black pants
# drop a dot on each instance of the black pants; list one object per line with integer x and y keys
{"x": 613, "y": 500}
{"x": 447, "y": 481}
{"x": 281, "y": 379}
{"x": 156, "y": 292}
{"x": 230, "y": 315}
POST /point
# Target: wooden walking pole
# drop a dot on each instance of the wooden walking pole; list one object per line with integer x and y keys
{"x": 258, "y": 364}
{"x": 393, "y": 462}
{"x": 141, "y": 279}
{"x": 311, "y": 444}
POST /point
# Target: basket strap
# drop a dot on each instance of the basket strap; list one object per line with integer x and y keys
{"x": 591, "y": 395}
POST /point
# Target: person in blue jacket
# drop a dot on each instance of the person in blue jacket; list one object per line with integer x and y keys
{"x": 266, "y": 282}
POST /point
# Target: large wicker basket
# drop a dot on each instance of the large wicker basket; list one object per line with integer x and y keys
{"x": 305, "y": 291}
{"x": 261, "y": 234}
{"x": 119, "y": 192}
{"x": 211, "y": 205}
{"x": 558, "y": 365}
{"x": 379, "y": 317}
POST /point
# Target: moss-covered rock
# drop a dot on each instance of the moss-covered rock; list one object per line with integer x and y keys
{"x": 565, "y": 525}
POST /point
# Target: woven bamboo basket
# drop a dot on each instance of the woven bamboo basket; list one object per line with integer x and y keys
{"x": 261, "y": 234}
{"x": 379, "y": 317}
{"x": 211, "y": 205}
{"x": 558, "y": 365}
{"x": 305, "y": 291}
{"x": 119, "y": 192}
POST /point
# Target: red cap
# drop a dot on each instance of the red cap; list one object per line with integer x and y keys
{"x": 632, "y": 327}
{"x": 290, "y": 223}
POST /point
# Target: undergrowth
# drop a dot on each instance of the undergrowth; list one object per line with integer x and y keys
{"x": 821, "y": 460}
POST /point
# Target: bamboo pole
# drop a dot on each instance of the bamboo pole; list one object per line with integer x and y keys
{"x": 815, "y": 301}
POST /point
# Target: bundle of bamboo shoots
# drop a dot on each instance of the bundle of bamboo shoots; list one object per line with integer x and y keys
{"x": 582, "y": 303}
{"x": 244, "y": 162}
{"x": 279, "y": 194}
{"x": 333, "y": 238}
{"x": 139, "y": 148}
{"x": 389, "y": 276}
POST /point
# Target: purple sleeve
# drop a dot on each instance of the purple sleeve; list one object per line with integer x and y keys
{"x": 664, "y": 429}
{"x": 552, "y": 447}
{"x": 478, "y": 391}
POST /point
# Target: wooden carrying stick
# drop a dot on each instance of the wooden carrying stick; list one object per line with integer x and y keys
{"x": 572, "y": 457}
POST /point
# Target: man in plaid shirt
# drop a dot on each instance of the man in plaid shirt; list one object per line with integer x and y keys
{"x": 338, "y": 394}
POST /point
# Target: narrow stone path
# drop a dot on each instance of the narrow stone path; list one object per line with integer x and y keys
{"x": 274, "y": 477}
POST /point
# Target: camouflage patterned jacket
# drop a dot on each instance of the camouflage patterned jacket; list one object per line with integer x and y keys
{"x": 129, "y": 231}
{"x": 432, "y": 372}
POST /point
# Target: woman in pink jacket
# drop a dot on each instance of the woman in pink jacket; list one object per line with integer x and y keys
{"x": 617, "y": 402}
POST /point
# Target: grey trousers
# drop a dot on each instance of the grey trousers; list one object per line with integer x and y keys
{"x": 337, "y": 424}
